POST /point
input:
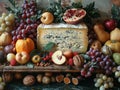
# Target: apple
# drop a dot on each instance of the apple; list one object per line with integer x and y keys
{"x": 22, "y": 57}
{"x": 58, "y": 57}
{"x": 36, "y": 59}
{"x": 13, "y": 62}
{"x": 47, "y": 18}
{"x": 10, "y": 56}
{"x": 110, "y": 24}
{"x": 68, "y": 54}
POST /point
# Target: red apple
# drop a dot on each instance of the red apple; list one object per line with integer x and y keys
{"x": 110, "y": 24}
{"x": 68, "y": 54}
{"x": 58, "y": 58}
{"x": 13, "y": 62}
{"x": 22, "y": 57}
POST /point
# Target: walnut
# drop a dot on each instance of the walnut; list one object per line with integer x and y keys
{"x": 78, "y": 60}
{"x": 29, "y": 80}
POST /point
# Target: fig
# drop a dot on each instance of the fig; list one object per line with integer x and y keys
{"x": 74, "y": 16}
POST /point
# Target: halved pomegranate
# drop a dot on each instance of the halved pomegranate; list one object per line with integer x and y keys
{"x": 74, "y": 16}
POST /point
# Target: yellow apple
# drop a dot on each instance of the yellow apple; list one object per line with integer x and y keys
{"x": 47, "y": 18}
{"x": 36, "y": 59}
{"x": 10, "y": 56}
{"x": 22, "y": 57}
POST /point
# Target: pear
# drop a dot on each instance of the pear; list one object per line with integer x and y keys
{"x": 116, "y": 58}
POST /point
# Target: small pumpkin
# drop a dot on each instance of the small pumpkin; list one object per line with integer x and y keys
{"x": 26, "y": 45}
{"x": 113, "y": 45}
{"x": 5, "y": 39}
{"x": 115, "y": 34}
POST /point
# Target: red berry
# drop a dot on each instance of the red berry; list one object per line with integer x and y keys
{"x": 13, "y": 62}
{"x": 83, "y": 72}
{"x": 50, "y": 54}
{"x": 70, "y": 62}
{"x": 75, "y": 53}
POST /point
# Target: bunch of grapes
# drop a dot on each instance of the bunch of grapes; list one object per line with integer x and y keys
{"x": 26, "y": 24}
{"x": 99, "y": 61}
{"x": 117, "y": 73}
{"x": 103, "y": 82}
{"x": 6, "y": 22}
{"x": 92, "y": 36}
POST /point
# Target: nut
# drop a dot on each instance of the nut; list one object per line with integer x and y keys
{"x": 29, "y": 80}
{"x": 78, "y": 60}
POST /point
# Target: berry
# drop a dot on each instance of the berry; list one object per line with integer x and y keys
{"x": 70, "y": 62}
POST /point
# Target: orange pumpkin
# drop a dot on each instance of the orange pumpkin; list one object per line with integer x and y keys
{"x": 26, "y": 45}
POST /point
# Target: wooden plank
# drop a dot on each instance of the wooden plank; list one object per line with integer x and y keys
{"x": 51, "y": 68}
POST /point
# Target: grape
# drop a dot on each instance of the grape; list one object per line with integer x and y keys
{"x": 119, "y": 79}
{"x": 8, "y": 29}
{"x": 104, "y": 77}
{"x": 117, "y": 74}
{"x": 111, "y": 85}
{"x": 97, "y": 84}
{"x": 106, "y": 85}
{"x": 100, "y": 81}
{"x": 102, "y": 87}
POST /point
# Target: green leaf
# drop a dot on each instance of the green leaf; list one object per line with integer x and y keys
{"x": 30, "y": 65}
{"x": 49, "y": 46}
{"x": 13, "y": 3}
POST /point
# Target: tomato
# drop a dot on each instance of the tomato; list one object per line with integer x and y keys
{"x": 113, "y": 45}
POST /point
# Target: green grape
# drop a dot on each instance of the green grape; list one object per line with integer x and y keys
{"x": 102, "y": 88}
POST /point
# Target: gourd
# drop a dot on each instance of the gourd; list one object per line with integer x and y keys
{"x": 26, "y": 45}
{"x": 102, "y": 35}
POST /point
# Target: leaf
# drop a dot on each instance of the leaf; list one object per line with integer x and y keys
{"x": 12, "y": 3}
{"x": 49, "y": 46}
{"x": 30, "y": 65}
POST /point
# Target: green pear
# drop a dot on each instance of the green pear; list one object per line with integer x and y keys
{"x": 116, "y": 58}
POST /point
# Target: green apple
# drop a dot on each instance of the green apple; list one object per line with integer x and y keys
{"x": 116, "y": 58}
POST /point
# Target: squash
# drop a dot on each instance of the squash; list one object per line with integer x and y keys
{"x": 113, "y": 45}
{"x": 5, "y": 39}
{"x": 115, "y": 34}
{"x": 26, "y": 45}
{"x": 102, "y": 35}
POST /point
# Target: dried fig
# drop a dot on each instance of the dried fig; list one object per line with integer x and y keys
{"x": 39, "y": 78}
{"x": 46, "y": 80}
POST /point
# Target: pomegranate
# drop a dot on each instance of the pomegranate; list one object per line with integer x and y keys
{"x": 110, "y": 24}
{"x": 74, "y": 16}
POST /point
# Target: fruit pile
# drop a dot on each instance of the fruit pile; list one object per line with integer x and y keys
{"x": 18, "y": 45}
